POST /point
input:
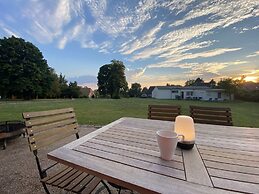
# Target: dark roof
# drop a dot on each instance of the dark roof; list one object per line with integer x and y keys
{"x": 150, "y": 89}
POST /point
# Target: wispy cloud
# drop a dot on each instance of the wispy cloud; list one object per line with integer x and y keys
{"x": 134, "y": 75}
{"x": 146, "y": 40}
{"x": 256, "y": 53}
{"x": 10, "y": 32}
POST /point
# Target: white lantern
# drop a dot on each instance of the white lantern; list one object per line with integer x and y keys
{"x": 184, "y": 126}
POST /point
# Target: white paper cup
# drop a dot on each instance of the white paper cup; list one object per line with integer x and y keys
{"x": 167, "y": 141}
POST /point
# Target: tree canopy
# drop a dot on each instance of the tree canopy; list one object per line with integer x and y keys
{"x": 112, "y": 79}
{"x": 24, "y": 72}
{"x": 135, "y": 90}
{"x": 229, "y": 85}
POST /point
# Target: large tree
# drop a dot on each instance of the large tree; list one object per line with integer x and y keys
{"x": 24, "y": 73}
{"x": 112, "y": 79}
{"x": 104, "y": 77}
{"x": 229, "y": 85}
{"x": 135, "y": 90}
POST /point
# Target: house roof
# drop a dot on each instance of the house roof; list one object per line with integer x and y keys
{"x": 150, "y": 89}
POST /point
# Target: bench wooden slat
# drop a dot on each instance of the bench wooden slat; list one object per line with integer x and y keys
{"x": 211, "y": 108}
{"x": 76, "y": 181}
{"x": 52, "y": 178}
{"x": 211, "y": 115}
{"x": 46, "y": 120}
{"x": 91, "y": 185}
{"x": 163, "y": 112}
{"x": 82, "y": 184}
{"x": 67, "y": 181}
{"x": 163, "y": 118}
{"x": 212, "y": 112}
{"x": 46, "y": 113}
{"x": 40, "y": 128}
{"x": 64, "y": 177}
{"x": 212, "y": 122}
{"x": 50, "y": 140}
{"x": 38, "y": 137}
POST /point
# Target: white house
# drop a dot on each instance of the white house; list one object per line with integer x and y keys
{"x": 189, "y": 93}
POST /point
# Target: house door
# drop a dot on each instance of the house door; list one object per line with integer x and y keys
{"x": 182, "y": 95}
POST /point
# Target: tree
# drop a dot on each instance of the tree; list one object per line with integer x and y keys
{"x": 212, "y": 83}
{"x": 190, "y": 82}
{"x": 144, "y": 90}
{"x": 112, "y": 79}
{"x": 55, "y": 90}
{"x": 229, "y": 85}
{"x": 72, "y": 90}
{"x": 104, "y": 77}
{"x": 135, "y": 90}
{"x": 24, "y": 73}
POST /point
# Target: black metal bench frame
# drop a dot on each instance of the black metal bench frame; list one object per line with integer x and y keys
{"x": 9, "y": 129}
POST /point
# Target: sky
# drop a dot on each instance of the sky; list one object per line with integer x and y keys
{"x": 159, "y": 42}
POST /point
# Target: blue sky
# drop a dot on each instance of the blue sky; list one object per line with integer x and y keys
{"x": 159, "y": 41}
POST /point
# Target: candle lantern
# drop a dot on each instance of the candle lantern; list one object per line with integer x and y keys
{"x": 184, "y": 126}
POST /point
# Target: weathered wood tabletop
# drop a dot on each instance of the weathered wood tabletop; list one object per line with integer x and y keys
{"x": 225, "y": 159}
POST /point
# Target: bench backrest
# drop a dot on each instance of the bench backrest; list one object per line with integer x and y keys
{"x": 211, "y": 115}
{"x": 46, "y": 127}
{"x": 163, "y": 112}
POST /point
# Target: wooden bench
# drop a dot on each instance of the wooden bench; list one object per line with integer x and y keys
{"x": 9, "y": 129}
{"x": 47, "y": 127}
{"x": 163, "y": 112}
{"x": 211, "y": 115}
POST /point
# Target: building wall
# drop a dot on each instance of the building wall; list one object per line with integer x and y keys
{"x": 161, "y": 94}
{"x": 189, "y": 94}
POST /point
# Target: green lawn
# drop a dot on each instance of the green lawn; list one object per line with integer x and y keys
{"x": 103, "y": 111}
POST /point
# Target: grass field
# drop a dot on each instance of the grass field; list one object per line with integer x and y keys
{"x": 103, "y": 111}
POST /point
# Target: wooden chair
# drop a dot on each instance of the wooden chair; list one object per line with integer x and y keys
{"x": 163, "y": 112}
{"x": 47, "y": 127}
{"x": 211, "y": 115}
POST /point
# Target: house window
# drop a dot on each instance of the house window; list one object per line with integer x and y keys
{"x": 174, "y": 91}
{"x": 189, "y": 93}
{"x": 219, "y": 94}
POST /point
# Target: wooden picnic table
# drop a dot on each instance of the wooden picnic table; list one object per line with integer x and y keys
{"x": 225, "y": 159}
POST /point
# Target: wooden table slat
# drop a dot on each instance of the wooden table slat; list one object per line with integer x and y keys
{"x": 176, "y": 173}
{"x": 231, "y": 161}
{"x": 234, "y": 175}
{"x": 229, "y": 155}
{"x": 194, "y": 168}
{"x": 175, "y": 163}
{"x": 254, "y": 153}
{"x": 235, "y": 185}
{"x": 232, "y": 167}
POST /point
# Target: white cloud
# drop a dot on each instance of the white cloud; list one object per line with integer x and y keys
{"x": 227, "y": 12}
{"x": 219, "y": 15}
{"x": 135, "y": 75}
{"x": 255, "y": 27}
{"x": 48, "y": 19}
{"x": 146, "y": 40}
{"x": 10, "y": 32}
{"x": 256, "y": 53}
